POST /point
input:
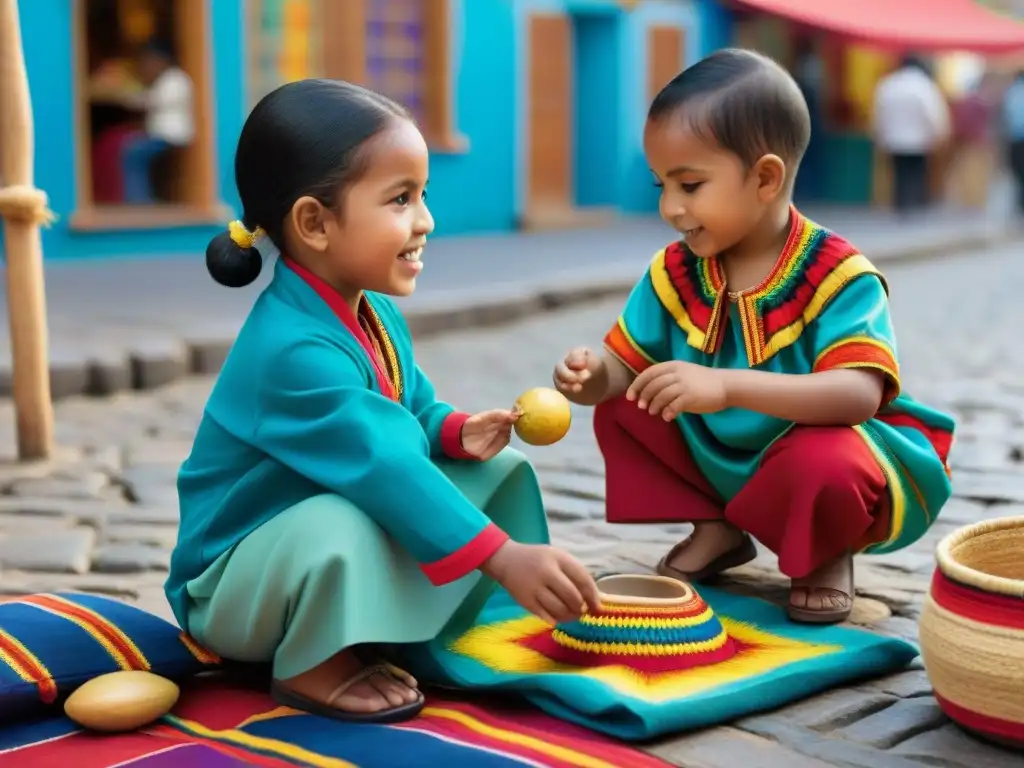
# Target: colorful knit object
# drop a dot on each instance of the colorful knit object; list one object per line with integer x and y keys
{"x": 775, "y": 662}
{"x": 674, "y": 633}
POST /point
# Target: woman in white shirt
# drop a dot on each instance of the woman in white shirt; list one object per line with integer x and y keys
{"x": 911, "y": 121}
{"x": 169, "y": 120}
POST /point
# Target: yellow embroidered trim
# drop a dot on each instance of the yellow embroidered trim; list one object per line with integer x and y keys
{"x": 883, "y": 346}
{"x": 897, "y": 493}
{"x": 390, "y": 354}
{"x": 762, "y": 349}
{"x": 669, "y": 299}
{"x": 623, "y": 347}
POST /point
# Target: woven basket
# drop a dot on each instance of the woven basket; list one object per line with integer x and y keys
{"x": 972, "y": 629}
{"x": 649, "y": 623}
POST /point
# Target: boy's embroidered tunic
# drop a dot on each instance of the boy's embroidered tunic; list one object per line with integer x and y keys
{"x": 307, "y": 404}
{"x": 824, "y": 306}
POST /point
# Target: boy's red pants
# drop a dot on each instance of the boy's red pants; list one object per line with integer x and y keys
{"x": 818, "y": 492}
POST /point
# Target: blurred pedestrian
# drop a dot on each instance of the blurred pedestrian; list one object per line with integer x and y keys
{"x": 973, "y": 135}
{"x": 1013, "y": 132}
{"x": 169, "y": 119}
{"x": 911, "y": 122}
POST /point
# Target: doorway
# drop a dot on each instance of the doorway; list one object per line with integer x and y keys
{"x": 573, "y": 111}
{"x": 144, "y": 130}
{"x": 598, "y": 107}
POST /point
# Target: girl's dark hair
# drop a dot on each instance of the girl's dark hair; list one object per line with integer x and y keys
{"x": 744, "y": 102}
{"x": 306, "y": 138}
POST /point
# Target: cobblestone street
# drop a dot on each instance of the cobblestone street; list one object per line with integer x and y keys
{"x": 101, "y": 516}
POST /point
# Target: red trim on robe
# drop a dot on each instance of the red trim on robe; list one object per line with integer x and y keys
{"x": 451, "y": 436}
{"x": 467, "y": 558}
{"x": 619, "y": 344}
{"x": 940, "y": 439}
{"x": 348, "y": 318}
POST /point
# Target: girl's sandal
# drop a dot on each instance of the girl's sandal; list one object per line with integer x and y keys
{"x": 289, "y": 698}
{"x": 833, "y": 615}
{"x": 739, "y": 555}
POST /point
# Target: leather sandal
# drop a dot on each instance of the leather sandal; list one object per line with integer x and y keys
{"x": 824, "y": 615}
{"x": 289, "y": 698}
{"x": 739, "y": 555}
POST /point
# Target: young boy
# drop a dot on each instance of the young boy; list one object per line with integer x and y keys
{"x": 751, "y": 385}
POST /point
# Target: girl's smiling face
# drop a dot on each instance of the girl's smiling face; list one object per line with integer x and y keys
{"x": 707, "y": 194}
{"x": 373, "y": 239}
{"x": 377, "y": 244}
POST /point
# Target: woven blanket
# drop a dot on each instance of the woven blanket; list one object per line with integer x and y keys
{"x": 221, "y": 724}
{"x": 776, "y": 662}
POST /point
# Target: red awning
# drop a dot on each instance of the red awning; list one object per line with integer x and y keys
{"x": 922, "y": 25}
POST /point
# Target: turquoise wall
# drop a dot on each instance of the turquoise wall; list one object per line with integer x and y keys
{"x": 471, "y": 191}
{"x": 614, "y": 147}
{"x": 46, "y": 35}
{"x": 479, "y": 190}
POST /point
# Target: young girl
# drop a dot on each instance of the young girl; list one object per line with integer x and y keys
{"x": 751, "y": 385}
{"x": 330, "y": 500}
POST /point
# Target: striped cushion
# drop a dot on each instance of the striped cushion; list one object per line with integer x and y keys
{"x": 52, "y": 643}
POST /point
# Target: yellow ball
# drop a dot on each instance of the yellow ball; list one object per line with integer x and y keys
{"x": 544, "y": 417}
{"x": 121, "y": 701}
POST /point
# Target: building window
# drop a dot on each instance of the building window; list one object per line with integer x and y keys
{"x": 394, "y": 51}
{"x": 144, "y": 137}
{"x": 401, "y": 48}
{"x": 285, "y": 44}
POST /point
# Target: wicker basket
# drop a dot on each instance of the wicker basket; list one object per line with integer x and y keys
{"x": 972, "y": 629}
{"x": 648, "y": 623}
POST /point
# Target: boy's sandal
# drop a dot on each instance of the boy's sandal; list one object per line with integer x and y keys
{"x": 739, "y": 555}
{"x": 289, "y": 698}
{"x": 824, "y": 615}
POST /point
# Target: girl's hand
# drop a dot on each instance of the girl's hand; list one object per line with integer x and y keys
{"x": 669, "y": 389}
{"x": 548, "y": 582}
{"x": 486, "y": 433}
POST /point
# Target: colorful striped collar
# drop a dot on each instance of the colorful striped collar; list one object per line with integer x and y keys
{"x": 812, "y": 267}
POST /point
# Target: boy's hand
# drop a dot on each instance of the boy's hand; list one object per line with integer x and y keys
{"x": 579, "y": 366}
{"x": 485, "y": 434}
{"x": 669, "y": 389}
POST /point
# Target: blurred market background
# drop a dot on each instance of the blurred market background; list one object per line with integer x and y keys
{"x": 533, "y": 110}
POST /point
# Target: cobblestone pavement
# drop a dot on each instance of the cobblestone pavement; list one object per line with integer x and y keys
{"x": 101, "y": 515}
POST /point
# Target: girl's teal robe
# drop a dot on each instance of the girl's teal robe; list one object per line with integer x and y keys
{"x": 326, "y": 504}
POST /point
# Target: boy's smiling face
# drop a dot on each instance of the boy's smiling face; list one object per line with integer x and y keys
{"x": 707, "y": 193}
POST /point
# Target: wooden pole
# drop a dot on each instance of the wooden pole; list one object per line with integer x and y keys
{"x": 23, "y": 209}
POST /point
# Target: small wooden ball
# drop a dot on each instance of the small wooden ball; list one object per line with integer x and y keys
{"x": 121, "y": 701}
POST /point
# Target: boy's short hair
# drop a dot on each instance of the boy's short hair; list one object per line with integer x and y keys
{"x": 744, "y": 102}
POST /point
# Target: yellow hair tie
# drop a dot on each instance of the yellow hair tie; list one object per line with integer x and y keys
{"x": 242, "y": 237}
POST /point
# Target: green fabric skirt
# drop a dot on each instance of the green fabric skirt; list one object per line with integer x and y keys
{"x": 322, "y": 576}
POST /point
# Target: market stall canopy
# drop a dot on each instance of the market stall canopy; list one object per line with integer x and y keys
{"x": 921, "y": 25}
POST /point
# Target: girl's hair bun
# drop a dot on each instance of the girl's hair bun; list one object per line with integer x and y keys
{"x": 230, "y": 264}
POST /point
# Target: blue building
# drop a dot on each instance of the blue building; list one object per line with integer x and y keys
{"x": 76, "y": 55}
{"x": 551, "y": 96}
{"x": 533, "y": 108}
